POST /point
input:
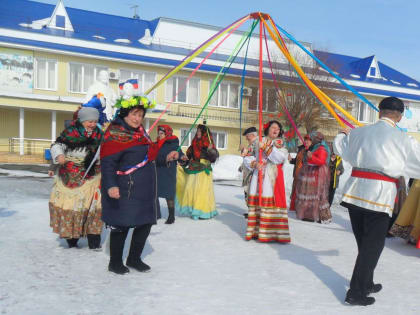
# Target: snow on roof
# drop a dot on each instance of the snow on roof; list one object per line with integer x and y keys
{"x": 349, "y": 67}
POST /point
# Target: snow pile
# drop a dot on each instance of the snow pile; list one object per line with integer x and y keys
{"x": 227, "y": 167}
{"x": 19, "y": 173}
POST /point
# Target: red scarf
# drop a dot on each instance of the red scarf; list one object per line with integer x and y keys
{"x": 198, "y": 145}
{"x": 168, "y": 135}
{"x": 117, "y": 139}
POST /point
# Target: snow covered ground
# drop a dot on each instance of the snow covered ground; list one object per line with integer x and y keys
{"x": 198, "y": 267}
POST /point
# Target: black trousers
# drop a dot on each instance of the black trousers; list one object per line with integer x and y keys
{"x": 369, "y": 229}
{"x": 331, "y": 194}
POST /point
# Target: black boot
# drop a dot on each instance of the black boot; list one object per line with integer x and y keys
{"x": 358, "y": 299}
{"x": 171, "y": 210}
{"x": 138, "y": 241}
{"x": 72, "y": 242}
{"x": 117, "y": 240}
{"x": 374, "y": 289}
{"x": 171, "y": 217}
{"x": 94, "y": 241}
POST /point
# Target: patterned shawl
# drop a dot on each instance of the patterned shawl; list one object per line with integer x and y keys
{"x": 119, "y": 137}
{"x": 197, "y": 145}
{"x": 76, "y": 137}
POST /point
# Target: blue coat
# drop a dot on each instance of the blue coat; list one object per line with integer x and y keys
{"x": 138, "y": 200}
{"x": 166, "y": 172}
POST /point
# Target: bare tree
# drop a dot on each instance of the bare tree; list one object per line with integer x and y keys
{"x": 304, "y": 108}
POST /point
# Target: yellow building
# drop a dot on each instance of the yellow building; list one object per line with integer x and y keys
{"x": 50, "y": 55}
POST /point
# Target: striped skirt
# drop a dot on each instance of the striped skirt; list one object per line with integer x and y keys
{"x": 268, "y": 223}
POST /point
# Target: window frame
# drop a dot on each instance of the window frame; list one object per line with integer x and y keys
{"x": 95, "y": 74}
{"x": 228, "y": 94}
{"x": 143, "y": 73}
{"x": 266, "y": 100}
{"x": 368, "y": 112}
{"x": 216, "y": 134}
{"x": 35, "y": 78}
{"x": 187, "y": 90}
{"x": 190, "y": 137}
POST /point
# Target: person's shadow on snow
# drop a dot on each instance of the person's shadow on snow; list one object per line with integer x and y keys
{"x": 233, "y": 218}
{"x": 310, "y": 260}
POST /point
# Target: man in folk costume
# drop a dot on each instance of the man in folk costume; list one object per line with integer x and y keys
{"x": 267, "y": 215}
{"x": 252, "y": 137}
{"x": 379, "y": 154}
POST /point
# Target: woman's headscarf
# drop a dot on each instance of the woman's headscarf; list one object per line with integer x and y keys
{"x": 206, "y": 141}
{"x": 318, "y": 140}
{"x": 168, "y": 134}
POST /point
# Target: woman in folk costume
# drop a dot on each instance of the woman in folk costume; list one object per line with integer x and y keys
{"x": 407, "y": 224}
{"x": 194, "y": 185}
{"x": 166, "y": 170}
{"x": 298, "y": 162}
{"x": 75, "y": 203}
{"x": 313, "y": 183}
{"x": 267, "y": 218}
{"x": 129, "y": 194}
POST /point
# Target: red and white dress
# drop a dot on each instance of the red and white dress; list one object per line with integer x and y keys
{"x": 267, "y": 218}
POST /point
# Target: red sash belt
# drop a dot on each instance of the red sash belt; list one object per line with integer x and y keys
{"x": 376, "y": 176}
{"x": 373, "y": 175}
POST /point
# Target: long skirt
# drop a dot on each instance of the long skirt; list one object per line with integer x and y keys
{"x": 266, "y": 222}
{"x": 76, "y": 212}
{"x": 268, "y": 225}
{"x": 407, "y": 225}
{"x": 195, "y": 195}
{"x": 292, "y": 206}
{"x": 312, "y": 194}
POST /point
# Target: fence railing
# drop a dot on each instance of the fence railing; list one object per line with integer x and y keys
{"x": 30, "y": 146}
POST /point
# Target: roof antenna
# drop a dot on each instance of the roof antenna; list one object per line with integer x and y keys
{"x": 135, "y": 16}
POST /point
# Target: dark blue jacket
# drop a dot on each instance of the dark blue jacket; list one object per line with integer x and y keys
{"x": 138, "y": 195}
{"x": 166, "y": 172}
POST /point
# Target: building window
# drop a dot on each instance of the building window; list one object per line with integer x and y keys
{"x": 45, "y": 74}
{"x": 226, "y": 95}
{"x": 219, "y": 138}
{"x": 187, "y": 141}
{"x": 82, "y": 76}
{"x": 373, "y": 72}
{"x": 365, "y": 113}
{"x": 270, "y": 101}
{"x": 60, "y": 21}
{"x": 180, "y": 91}
{"x": 145, "y": 79}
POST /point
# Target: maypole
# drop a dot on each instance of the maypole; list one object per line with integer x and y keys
{"x": 260, "y": 118}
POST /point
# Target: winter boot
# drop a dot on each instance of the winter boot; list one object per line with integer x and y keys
{"x": 72, "y": 242}
{"x": 94, "y": 241}
{"x": 171, "y": 210}
{"x": 117, "y": 240}
{"x": 138, "y": 241}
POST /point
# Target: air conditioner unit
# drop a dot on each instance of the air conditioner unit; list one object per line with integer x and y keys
{"x": 247, "y": 91}
{"x": 114, "y": 75}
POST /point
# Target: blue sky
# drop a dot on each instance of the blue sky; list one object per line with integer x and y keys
{"x": 386, "y": 28}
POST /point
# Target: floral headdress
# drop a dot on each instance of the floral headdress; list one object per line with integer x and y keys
{"x": 135, "y": 101}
